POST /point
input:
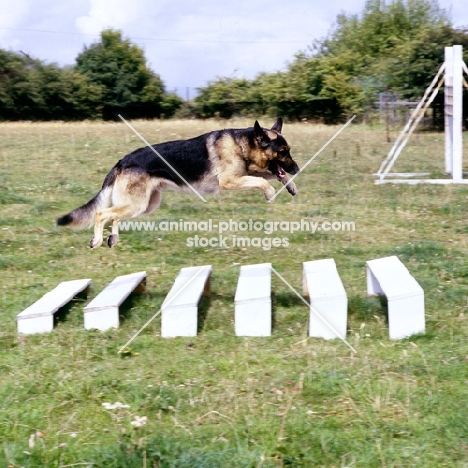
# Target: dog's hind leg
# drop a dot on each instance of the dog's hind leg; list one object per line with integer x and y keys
{"x": 154, "y": 202}
{"x": 114, "y": 214}
{"x": 131, "y": 197}
{"x": 114, "y": 237}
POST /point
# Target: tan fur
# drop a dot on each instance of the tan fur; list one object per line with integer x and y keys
{"x": 234, "y": 161}
{"x": 132, "y": 196}
{"x": 271, "y": 134}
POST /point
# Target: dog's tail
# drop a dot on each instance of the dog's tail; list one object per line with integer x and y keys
{"x": 83, "y": 217}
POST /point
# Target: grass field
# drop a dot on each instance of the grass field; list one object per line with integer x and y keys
{"x": 218, "y": 400}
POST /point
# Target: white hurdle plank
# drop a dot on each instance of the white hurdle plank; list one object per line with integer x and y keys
{"x": 388, "y": 276}
{"x": 253, "y": 301}
{"x": 102, "y": 312}
{"x": 179, "y": 311}
{"x": 39, "y": 317}
{"x": 328, "y": 299}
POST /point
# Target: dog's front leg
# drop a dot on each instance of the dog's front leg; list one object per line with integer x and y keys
{"x": 246, "y": 183}
{"x": 285, "y": 180}
{"x": 290, "y": 185}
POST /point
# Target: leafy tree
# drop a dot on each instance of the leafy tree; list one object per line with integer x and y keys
{"x": 110, "y": 77}
{"x": 128, "y": 86}
{"x": 294, "y": 94}
{"x": 415, "y": 63}
{"x": 394, "y": 44}
{"x": 170, "y": 104}
{"x": 33, "y": 90}
{"x": 223, "y": 97}
{"x": 18, "y": 92}
{"x": 381, "y": 26}
{"x": 65, "y": 94}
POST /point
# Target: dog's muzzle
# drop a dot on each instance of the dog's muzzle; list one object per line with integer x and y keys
{"x": 294, "y": 169}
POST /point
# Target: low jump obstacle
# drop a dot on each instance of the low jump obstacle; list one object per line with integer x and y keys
{"x": 102, "y": 312}
{"x": 405, "y": 298}
{"x": 451, "y": 76}
{"x": 39, "y": 317}
{"x": 328, "y": 299}
{"x": 179, "y": 311}
{"x": 253, "y": 312}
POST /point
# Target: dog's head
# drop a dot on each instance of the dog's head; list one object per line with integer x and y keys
{"x": 276, "y": 149}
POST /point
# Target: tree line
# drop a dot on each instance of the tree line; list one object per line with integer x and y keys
{"x": 110, "y": 77}
{"x": 393, "y": 45}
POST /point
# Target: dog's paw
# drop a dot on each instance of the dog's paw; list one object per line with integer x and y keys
{"x": 94, "y": 244}
{"x": 270, "y": 193}
{"x": 112, "y": 240}
{"x": 292, "y": 189}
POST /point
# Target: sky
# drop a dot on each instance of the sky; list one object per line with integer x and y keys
{"x": 188, "y": 43}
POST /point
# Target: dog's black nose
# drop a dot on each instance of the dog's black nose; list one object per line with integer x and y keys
{"x": 294, "y": 169}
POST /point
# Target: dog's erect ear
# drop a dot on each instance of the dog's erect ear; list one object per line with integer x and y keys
{"x": 258, "y": 130}
{"x": 261, "y": 135}
{"x": 278, "y": 125}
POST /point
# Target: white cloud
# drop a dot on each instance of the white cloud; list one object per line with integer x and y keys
{"x": 109, "y": 14}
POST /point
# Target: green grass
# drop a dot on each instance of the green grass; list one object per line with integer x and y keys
{"x": 218, "y": 400}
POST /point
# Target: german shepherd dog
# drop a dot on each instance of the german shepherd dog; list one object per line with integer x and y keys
{"x": 231, "y": 159}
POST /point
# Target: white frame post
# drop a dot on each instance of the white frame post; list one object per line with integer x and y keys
{"x": 457, "y": 137}
{"x": 453, "y": 69}
{"x": 448, "y": 109}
